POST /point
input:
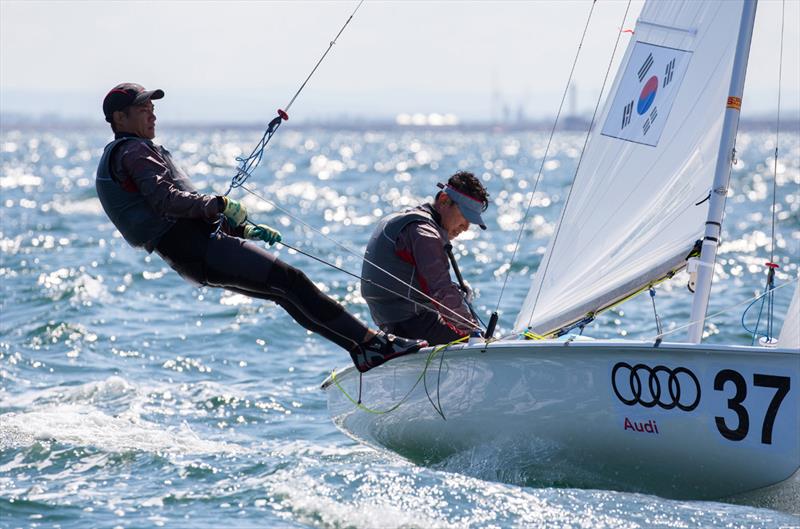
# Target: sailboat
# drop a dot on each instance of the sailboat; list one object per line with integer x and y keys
{"x": 671, "y": 416}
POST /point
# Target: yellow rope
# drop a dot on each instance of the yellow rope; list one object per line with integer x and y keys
{"x": 530, "y": 335}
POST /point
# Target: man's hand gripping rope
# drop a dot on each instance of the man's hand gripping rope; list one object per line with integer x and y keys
{"x": 236, "y": 214}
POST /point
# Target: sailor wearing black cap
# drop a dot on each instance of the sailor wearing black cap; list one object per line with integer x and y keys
{"x": 154, "y": 205}
{"x": 406, "y": 274}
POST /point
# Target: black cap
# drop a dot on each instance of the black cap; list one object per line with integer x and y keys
{"x": 126, "y": 95}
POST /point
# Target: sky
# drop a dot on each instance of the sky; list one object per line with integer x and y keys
{"x": 239, "y": 61}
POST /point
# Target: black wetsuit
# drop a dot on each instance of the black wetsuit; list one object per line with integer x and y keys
{"x": 240, "y": 266}
{"x": 153, "y": 204}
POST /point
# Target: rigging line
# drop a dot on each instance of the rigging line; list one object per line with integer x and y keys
{"x": 754, "y": 331}
{"x": 729, "y": 309}
{"x": 439, "y": 384}
{"x": 453, "y": 316}
{"x": 428, "y": 394}
{"x": 328, "y": 263}
{"x": 443, "y": 349}
{"x": 323, "y": 56}
{"x": 580, "y": 159}
{"x": 434, "y": 351}
{"x": 655, "y": 312}
{"x": 249, "y": 164}
{"x": 544, "y": 158}
{"x": 669, "y": 141}
{"x": 777, "y": 137}
{"x": 768, "y": 294}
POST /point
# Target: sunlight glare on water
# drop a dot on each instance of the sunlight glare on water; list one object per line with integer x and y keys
{"x": 129, "y": 398}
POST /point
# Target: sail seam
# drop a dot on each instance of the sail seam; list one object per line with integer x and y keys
{"x": 690, "y": 31}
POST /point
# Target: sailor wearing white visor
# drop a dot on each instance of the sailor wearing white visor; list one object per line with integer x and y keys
{"x": 412, "y": 246}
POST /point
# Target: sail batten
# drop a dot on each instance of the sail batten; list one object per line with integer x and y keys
{"x": 633, "y": 215}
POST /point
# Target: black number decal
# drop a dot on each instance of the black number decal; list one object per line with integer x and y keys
{"x": 782, "y": 385}
{"x": 734, "y": 403}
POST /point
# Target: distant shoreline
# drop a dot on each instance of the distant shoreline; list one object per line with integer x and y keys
{"x": 569, "y": 124}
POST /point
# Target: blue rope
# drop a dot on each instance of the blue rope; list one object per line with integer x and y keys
{"x": 767, "y": 297}
{"x": 250, "y": 163}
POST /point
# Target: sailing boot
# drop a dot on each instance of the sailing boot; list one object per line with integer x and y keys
{"x": 382, "y": 348}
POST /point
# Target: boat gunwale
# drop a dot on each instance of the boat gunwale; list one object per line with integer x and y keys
{"x": 582, "y": 343}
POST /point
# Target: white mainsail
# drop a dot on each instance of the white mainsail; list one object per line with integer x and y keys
{"x": 632, "y": 218}
{"x": 790, "y": 332}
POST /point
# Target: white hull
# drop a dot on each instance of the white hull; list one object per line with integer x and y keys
{"x": 552, "y": 413}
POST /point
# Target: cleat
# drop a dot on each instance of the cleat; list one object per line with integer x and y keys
{"x": 382, "y": 348}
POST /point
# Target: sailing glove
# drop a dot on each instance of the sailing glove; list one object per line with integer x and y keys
{"x": 234, "y": 211}
{"x": 262, "y": 232}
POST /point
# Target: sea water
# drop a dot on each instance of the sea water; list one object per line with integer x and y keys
{"x": 129, "y": 398}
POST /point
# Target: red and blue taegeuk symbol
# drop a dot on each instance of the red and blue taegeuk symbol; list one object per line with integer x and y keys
{"x": 648, "y": 95}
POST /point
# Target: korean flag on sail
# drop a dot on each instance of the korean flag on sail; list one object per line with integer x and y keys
{"x": 644, "y": 97}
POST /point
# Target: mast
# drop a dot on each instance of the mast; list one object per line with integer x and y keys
{"x": 722, "y": 174}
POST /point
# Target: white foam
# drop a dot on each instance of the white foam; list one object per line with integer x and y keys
{"x": 311, "y": 501}
{"x": 83, "y": 425}
{"x": 97, "y": 390}
{"x": 73, "y": 415}
{"x": 314, "y": 451}
{"x": 80, "y": 286}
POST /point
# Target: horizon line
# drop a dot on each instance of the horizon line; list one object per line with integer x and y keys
{"x": 15, "y": 120}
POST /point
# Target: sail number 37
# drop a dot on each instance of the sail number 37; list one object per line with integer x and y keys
{"x": 726, "y": 377}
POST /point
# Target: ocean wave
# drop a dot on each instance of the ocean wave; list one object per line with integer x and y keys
{"x": 84, "y": 425}
{"x": 74, "y": 283}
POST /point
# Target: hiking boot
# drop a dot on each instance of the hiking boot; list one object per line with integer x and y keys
{"x": 382, "y": 348}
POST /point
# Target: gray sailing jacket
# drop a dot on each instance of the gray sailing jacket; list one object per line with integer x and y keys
{"x": 394, "y": 247}
{"x": 142, "y": 191}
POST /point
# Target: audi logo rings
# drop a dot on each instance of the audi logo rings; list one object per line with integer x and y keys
{"x": 681, "y": 385}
